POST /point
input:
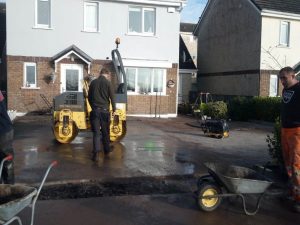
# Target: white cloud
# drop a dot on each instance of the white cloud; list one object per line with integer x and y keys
{"x": 192, "y": 11}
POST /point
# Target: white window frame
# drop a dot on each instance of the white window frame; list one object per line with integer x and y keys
{"x": 45, "y": 26}
{"x": 163, "y": 92}
{"x": 97, "y": 29}
{"x": 25, "y": 85}
{"x": 281, "y": 43}
{"x": 143, "y": 9}
{"x": 272, "y": 78}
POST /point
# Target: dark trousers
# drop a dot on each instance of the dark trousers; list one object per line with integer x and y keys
{"x": 6, "y": 148}
{"x": 100, "y": 120}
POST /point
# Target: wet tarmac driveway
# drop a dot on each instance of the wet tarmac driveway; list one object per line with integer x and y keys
{"x": 152, "y": 147}
{"x": 148, "y": 179}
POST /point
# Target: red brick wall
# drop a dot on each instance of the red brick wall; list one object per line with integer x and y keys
{"x": 28, "y": 100}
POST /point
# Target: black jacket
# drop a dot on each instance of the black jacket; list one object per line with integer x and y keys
{"x": 101, "y": 94}
{"x": 5, "y": 122}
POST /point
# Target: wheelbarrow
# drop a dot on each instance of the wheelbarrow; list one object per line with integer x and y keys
{"x": 15, "y": 198}
{"x": 230, "y": 181}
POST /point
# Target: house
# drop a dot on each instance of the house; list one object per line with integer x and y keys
{"x": 244, "y": 43}
{"x": 51, "y": 48}
{"x": 187, "y": 62}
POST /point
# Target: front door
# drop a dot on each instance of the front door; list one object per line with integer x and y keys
{"x": 71, "y": 77}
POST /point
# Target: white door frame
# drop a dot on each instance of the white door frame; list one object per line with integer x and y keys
{"x": 63, "y": 69}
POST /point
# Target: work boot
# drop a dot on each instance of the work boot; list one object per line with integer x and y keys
{"x": 95, "y": 156}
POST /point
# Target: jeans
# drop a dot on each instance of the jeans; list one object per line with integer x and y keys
{"x": 100, "y": 121}
{"x": 6, "y": 148}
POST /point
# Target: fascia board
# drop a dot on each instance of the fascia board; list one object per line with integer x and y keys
{"x": 178, "y": 3}
{"x": 282, "y": 15}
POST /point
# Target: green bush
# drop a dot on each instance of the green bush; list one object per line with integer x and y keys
{"x": 274, "y": 144}
{"x": 216, "y": 110}
{"x": 256, "y": 108}
{"x": 266, "y": 108}
{"x": 240, "y": 108}
{"x": 184, "y": 108}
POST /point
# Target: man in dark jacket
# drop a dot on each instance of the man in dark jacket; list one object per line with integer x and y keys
{"x": 290, "y": 130}
{"x": 100, "y": 96}
{"x": 6, "y": 140}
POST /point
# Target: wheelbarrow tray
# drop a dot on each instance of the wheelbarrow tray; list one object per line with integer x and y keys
{"x": 13, "y": 199}
{"x": 239, "y": 180}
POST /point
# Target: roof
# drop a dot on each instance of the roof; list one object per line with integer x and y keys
{"x": 290, "y": 6}
{"x": 75, "y": 49}
{"x": 187, "y": 27}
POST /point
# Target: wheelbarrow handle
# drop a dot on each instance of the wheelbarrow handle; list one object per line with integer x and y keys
{"x": 7, "y": 158}
{"x": 54, "y": 163}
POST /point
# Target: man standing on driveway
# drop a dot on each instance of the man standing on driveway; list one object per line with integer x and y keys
{"x": 100, "y": 96}
{"x": 6, "y": 141}
{"x": 290, "y": 130}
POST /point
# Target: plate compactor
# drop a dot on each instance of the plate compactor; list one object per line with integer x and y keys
{"x": 71, "y": 110}
{"x": 215, "y": 128}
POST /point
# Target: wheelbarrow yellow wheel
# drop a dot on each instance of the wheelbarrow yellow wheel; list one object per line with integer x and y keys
{"x": 208, "y": 189}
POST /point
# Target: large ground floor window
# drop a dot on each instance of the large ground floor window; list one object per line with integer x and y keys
{"x": 146, "y": 80}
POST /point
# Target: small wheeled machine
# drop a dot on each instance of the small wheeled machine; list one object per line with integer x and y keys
{"x": 230, "y": 181}
{"x": 15, "y": 198}
{"x": 215, "y": 128}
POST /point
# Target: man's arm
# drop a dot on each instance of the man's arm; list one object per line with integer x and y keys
{"x": 90, "y": 94}
{"x": 112, "y": 97}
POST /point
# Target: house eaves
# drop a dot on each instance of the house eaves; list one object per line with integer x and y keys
{"x": 288, "y": 9}
{"x": 283, "y": 6}
{"x": 282, "y": 15}
{"x": 195, "y": 31}
{"x": 75, "y": 51}
{"x": 172, "y": 3}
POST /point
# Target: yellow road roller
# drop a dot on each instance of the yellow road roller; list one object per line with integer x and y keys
{"x": 71, "y": 110}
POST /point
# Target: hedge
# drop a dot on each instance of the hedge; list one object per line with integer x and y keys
{"x": 255, "y": 108}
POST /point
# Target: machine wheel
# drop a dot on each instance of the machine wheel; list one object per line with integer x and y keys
{"x": 66, "y": 140}
{"x": 119, "y": 138}
{"x": 206, "y": 189}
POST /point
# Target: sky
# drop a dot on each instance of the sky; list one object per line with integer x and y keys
{"x": 192, "y": 11}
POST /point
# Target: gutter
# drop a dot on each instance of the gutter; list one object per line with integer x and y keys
{"x": 277, "y": 14}
{"x": 179, "y": 3}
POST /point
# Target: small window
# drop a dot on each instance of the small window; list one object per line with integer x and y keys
{"x": 30, "y": 75}
{"x": 273, "y": 92}
{"x": 285, "y": 33}
{"x": 146, "y": 80}
{"x": 142, "y": 20}
{"x": 91, "y": 16}
{"x": 43, "y": 13}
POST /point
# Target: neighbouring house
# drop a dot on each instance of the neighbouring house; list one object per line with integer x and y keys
{"x": 244, "y": 43}
{"x": 53, "y": 45}
{"x": 187, "y": 83}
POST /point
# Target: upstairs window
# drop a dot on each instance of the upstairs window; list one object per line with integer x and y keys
{"x": 91, "y": 16}
{"x": 43, "y": 13}
{"x": 284, "y": 33}
{"x": 141, "y": 20}
{"x": 146, "y": 80}
{"x": 29, "y": 80}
